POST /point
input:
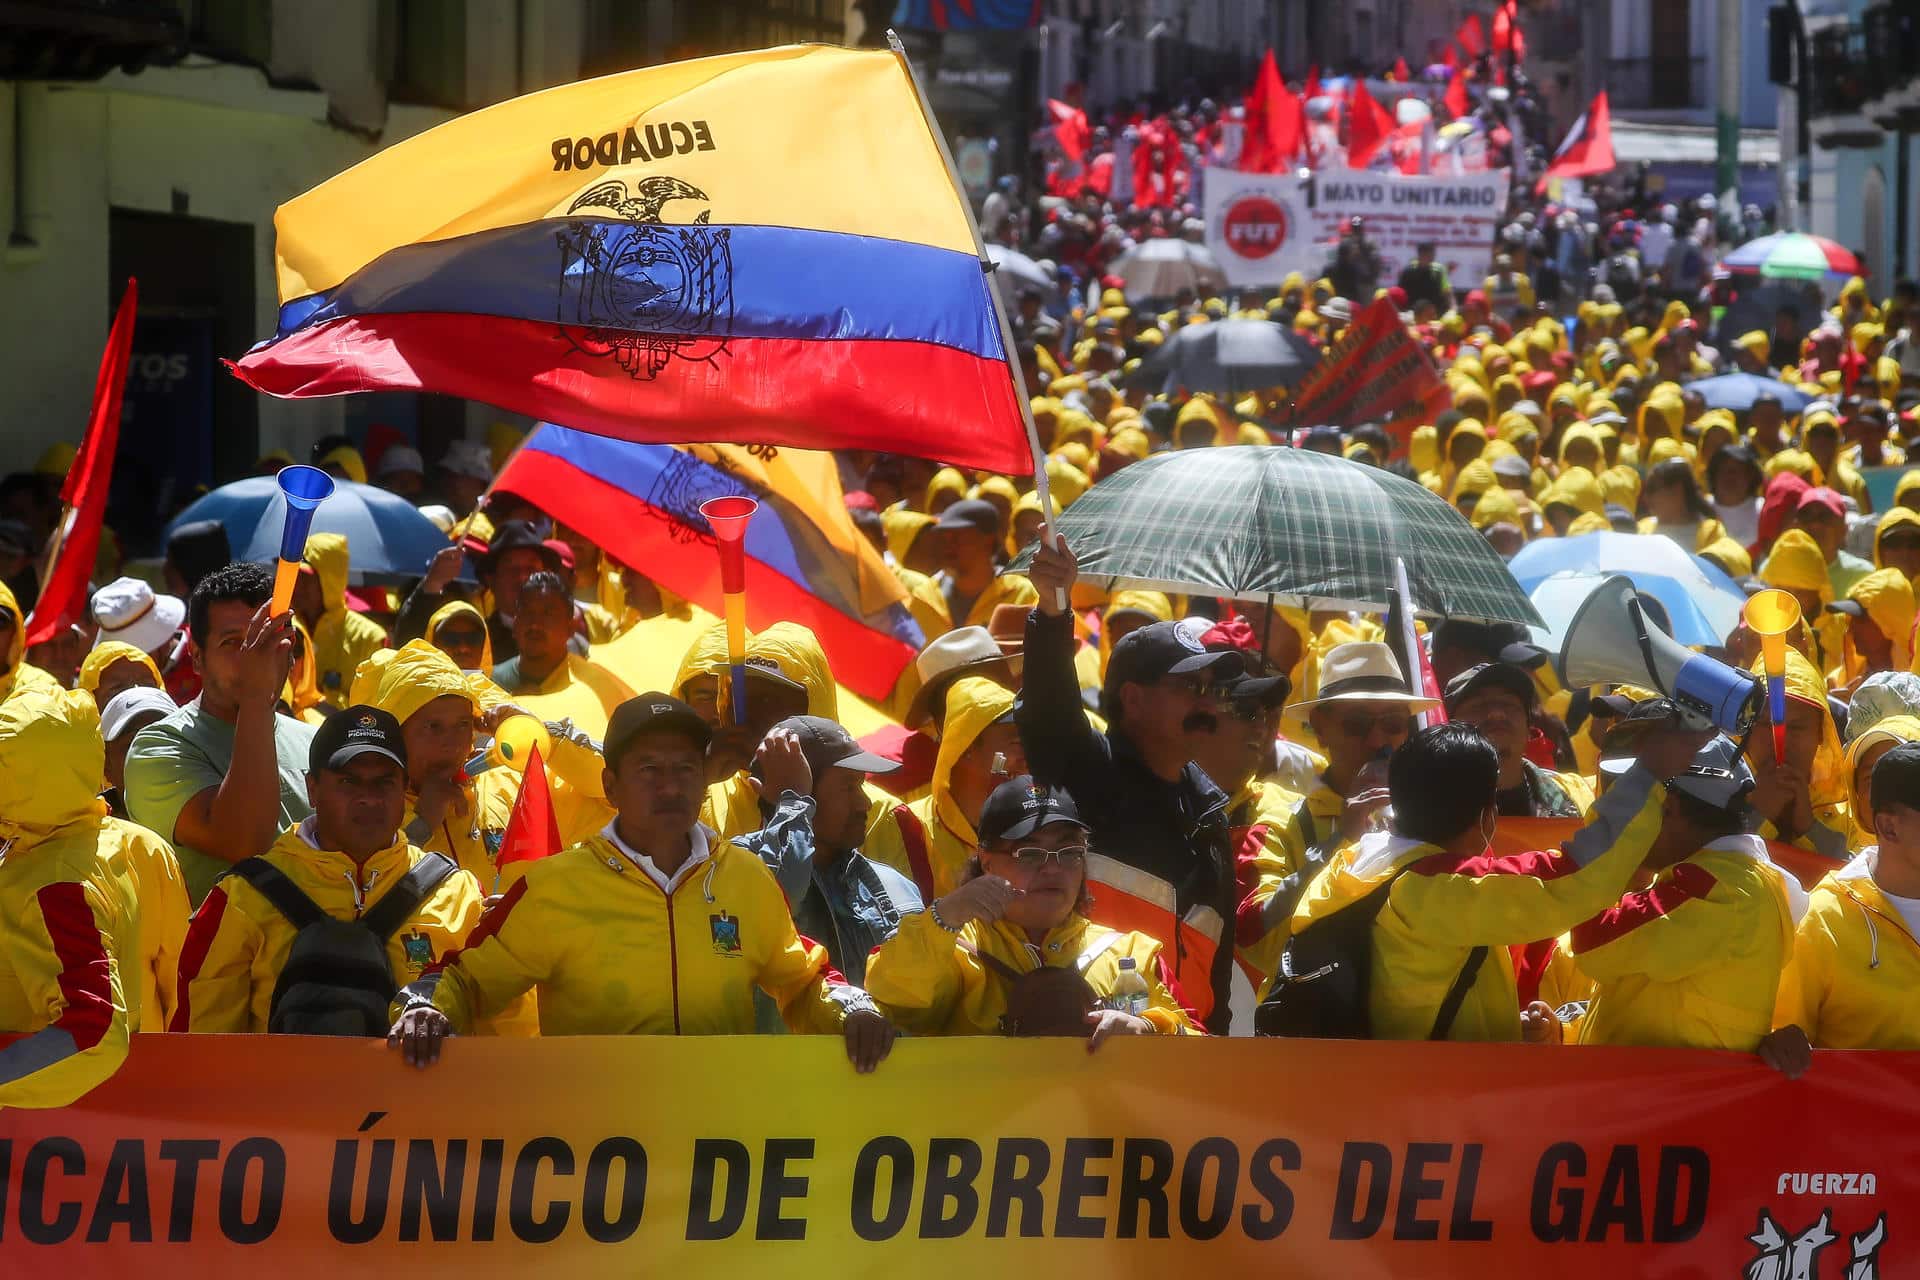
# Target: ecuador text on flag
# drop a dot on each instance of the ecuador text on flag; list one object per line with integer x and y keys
{"x": 763, "y": 247}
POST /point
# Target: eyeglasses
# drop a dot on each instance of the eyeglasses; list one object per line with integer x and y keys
{"x": 1197, "y": 686}
{"x": 1246, "y": 709}
{"x": 1035, "y": 859}
{"x": 444, "y": 636}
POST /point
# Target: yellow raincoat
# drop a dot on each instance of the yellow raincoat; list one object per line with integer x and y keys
{"x": 1693, "y": 961}
{"x": 973, "y": 703}
{"x": 1887, "y": 597}
{"x": 930, "y": 984}
{"x": 1444, "y": 906}
{"x": 1796, "y": 564}
{"x": 1855, "y": 966}
{"x": 20, "y": 675}
{"x": 1894, "y": 519}
{"x": 70, "y": 920}
{"x": 447, "y": 612}
{"x": 342, "y": 639}
{"x": 580, "y": 690}
{"x": 238, "y": 942}
{"x": 102, "y": 656}
{"x": 610, "y": 953}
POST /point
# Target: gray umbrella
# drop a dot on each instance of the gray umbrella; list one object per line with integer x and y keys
{"x": 1257, "y": 523}
{"x": 1228, "y": 355}
{"x": 1013, "y": 270}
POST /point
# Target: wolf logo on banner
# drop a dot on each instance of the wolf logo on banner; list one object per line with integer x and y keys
{"x": 644, "y": 292}
{"x": 1797, "y": 1257}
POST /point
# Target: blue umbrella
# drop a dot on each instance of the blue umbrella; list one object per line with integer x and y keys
{"x": 1702, "y": 601}
{"x": 1738, "y": 391}
{"x": 387, "y": 538}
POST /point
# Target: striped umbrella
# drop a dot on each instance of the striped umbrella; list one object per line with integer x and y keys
{"x": 1793, "y": 255}
{"x": 1288, "y": 525}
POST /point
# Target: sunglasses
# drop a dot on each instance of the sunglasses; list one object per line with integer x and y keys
{"x": 447, "y": 635}
{"x": 1359, "y": 726}
{"x": 1034, "y": 859}
{"x": 1197, "y": 686}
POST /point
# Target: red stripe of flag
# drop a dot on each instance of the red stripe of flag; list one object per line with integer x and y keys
{"x": 86, "y": 975}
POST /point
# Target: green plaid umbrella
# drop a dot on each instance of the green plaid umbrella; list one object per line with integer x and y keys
{"x": 1295, "y": 526}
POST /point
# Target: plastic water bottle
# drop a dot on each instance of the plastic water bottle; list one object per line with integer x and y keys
{"x": 1129, "y": 989}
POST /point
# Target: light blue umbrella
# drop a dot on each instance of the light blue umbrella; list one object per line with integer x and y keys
{"x": 1738, "y": 391}
{"x": 387, "y": 538}
{"x": 1702, "y": 601}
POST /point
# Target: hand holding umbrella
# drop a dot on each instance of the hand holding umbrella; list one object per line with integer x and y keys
{"x": 1771, "y": 614}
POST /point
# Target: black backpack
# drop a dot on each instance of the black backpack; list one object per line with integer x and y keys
{"x": 1326, "y": 977}
{"x": 337, "y": 980}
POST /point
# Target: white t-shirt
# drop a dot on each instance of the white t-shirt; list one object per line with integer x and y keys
{"x": 1742, "y": 519}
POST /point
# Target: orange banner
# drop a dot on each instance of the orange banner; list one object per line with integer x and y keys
{"x": 288, "y": 1157}
{"x": 1376, "y": 372}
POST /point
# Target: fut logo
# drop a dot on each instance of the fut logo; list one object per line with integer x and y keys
{"x": 725, "y": 930}
{"x": 1784, "y": 1255}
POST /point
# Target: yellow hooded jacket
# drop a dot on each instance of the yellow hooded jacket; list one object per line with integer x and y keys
{"x": 1829, "y": 786}
{"x": 342, "y": 639}
{"x": 20, "y": 676}
{"x": 1855, "y": 966}
{"x": 929, "y": 982}
{"x": 973, "y": 704}
{"x": 610, "y": 953}
{"x": 102, "y": 656}
{"x": 1693, "y": 961}
{"x": 1445, "y": 905}
{"x": 238, "y": 941}
{"x": 69, "y": 907}
{"x": 447, "y": 612}
{"x": 792, "y": 651}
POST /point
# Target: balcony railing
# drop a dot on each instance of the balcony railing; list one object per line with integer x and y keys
{"x": 1840, "y": 78}
{"x": 1657, "y": 82}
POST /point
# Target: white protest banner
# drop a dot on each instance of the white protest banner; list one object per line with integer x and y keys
{"x": 1262, "y": 226}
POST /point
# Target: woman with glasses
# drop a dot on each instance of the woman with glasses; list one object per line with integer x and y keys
{"x": 958, "y": 967}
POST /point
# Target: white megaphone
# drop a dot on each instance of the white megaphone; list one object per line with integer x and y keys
{"x": 1610, "y": 642}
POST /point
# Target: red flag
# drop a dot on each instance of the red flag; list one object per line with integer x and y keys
{"x": 1070, "y": 128}
{"x": 533, "y": 829}
{"x": 1400, "y": 71}
{"x": 1471, "y": 36}
{"x": 1458, "y": 104}
{"x": 1588, "y": 147}
{"x": 1369, "y": 126}
{"x": 1276, "y": 123}
{"x": 1311, "y": 89}
{"x": 1449, "y": 58}
{"x": 84, "y": 497}
{"x": 1507, "y": 36}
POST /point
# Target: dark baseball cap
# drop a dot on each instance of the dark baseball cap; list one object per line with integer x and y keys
{"x": 1491, "y": 675}
{"x": 1167, "y": 649}
{"x": 970, "y": 513}
{"x": 652, "y": 713}
{"x": 357, "y": 731}
{"x": 518, "y": 535}
{"x": 1019, "y": 807}
{"x": 1507, "y": 642}
{"x": 827, "y": 745}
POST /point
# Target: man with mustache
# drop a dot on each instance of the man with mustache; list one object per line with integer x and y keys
{"x": 1161, "y": 863}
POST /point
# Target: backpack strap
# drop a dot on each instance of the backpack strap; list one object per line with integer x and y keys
{"x": 993, "y": 963}
{"x": 274, "y": 885}
{"x": 1457, "y": 994}
{"x": 1094, "y": 952}
{"x": 399, "y": 903}
{"x": 914, "y": 836}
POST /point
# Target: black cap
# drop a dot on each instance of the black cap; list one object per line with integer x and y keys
{"x": 518, "y": 535}
{"x": 355, "y": 732}
{"x": 971, "y": 513}
{"x": 1019, "y": 807}
{"x": 197, "y": 548}
{"x": 1268, "y": 691}
{"x": 1494, "y": 675}
{"x": 1852, "y": 608}
{"x": 652, "y": 713}
{"x": 1895, "y": 779}
{"x": 1507, "y": 642}
{"x": 827, "y": 745}
{"x": 1166, "y": 649}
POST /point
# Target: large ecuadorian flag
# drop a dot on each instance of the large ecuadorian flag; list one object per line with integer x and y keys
{"x": 760, "y": 247}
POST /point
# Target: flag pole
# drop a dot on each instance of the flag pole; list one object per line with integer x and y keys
{"x": 993, "y": 296}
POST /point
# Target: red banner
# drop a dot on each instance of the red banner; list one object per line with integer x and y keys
{"x": 1376, "y": 372}
{"x": 285, "y": 1157}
